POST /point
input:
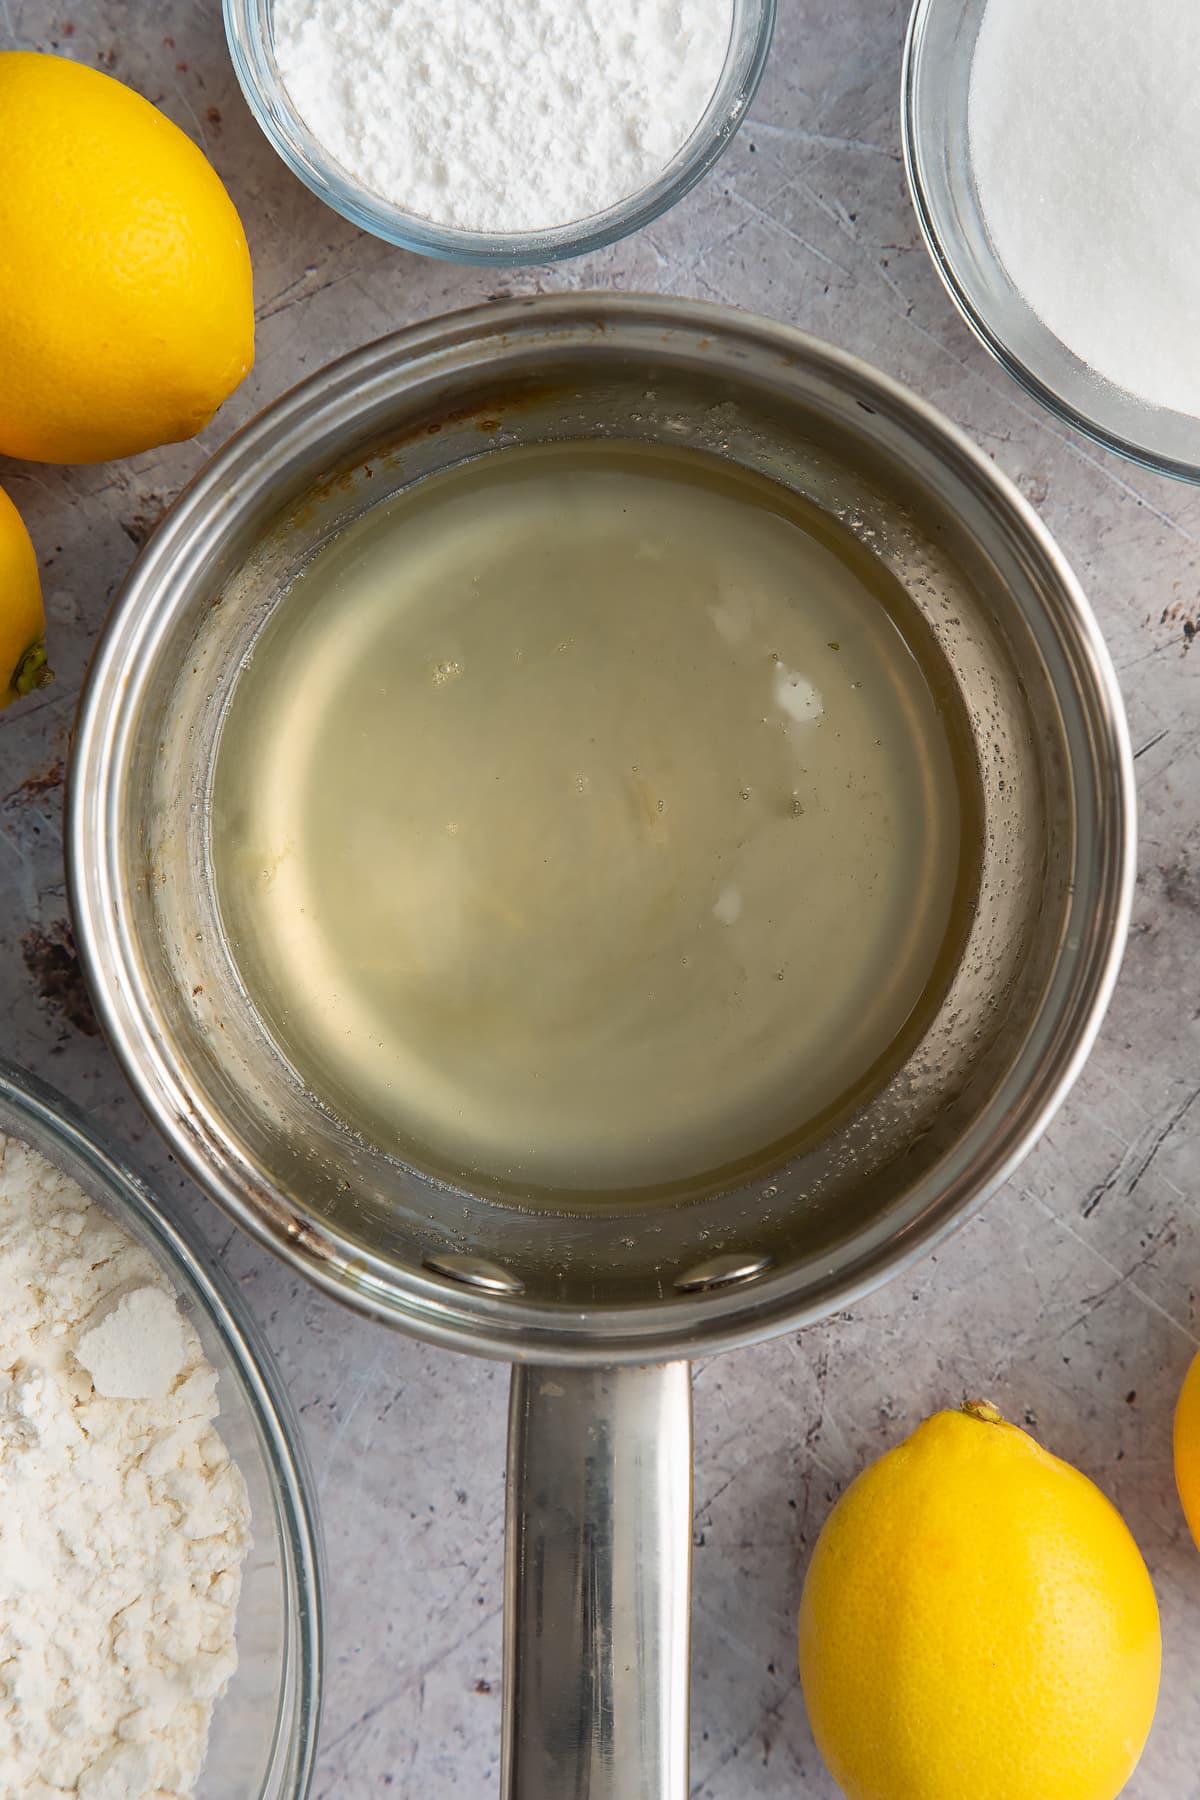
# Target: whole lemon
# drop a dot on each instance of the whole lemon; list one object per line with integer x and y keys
{"x": 126, "y": 314}
{"x": 978, "y": 1624}
{"x": 22, "y": 621}
{"x": 1187, "y": 1447}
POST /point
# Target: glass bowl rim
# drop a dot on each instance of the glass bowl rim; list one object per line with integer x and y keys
{"x": 940, "y": 245}
{"x": 308, "y": 159}
{"x": 26, "y": 1100}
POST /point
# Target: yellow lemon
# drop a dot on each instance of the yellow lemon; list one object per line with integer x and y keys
{"x": 1187, "y": 1447}
{"x": 126, "y": 314}
{"x": 22, "y": 621}
{"x": 978, "y": 1624}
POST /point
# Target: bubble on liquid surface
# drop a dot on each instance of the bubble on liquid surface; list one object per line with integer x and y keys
{"x": 727, "y": 909}
{"x": 796, "y": 696}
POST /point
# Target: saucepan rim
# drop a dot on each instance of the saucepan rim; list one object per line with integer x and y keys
{"x": 435, "y": 1307}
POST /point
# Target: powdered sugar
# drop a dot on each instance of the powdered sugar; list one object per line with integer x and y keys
{"x": 1085, "y": 141}
{"x": 123, "y": 1524}
{"x": 502, "y": 115}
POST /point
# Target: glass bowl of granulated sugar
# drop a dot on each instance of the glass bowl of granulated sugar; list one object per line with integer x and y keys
{"x": 1052, "y": 154}
{"x": 500, "y": 131}
{"x": 159, "y": 1549}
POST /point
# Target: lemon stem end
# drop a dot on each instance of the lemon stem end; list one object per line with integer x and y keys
{"x": 33, "y": 671}
{"x": 984, "y": 1411}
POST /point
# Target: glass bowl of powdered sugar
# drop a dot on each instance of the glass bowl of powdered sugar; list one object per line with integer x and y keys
{"x": 500, "y": 131}
{"x": 1052, "y": 154}
{"x": 159, "y": 1606}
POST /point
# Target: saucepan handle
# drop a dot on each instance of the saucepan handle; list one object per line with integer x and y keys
{"x": 597, "y": 1586}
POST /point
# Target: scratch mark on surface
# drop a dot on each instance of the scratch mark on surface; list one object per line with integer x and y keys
{"x": 201, "y": 134}
{"x": 1104, "y": 1187}
{"x": 1147, "y": 656}
{"x": 1138, "y": 1149}
{"x": 796, "y": 134}
{"x": 303, "y": 288}
{"x": 343, "y": 1425}
{"x": 1161, "y": 1137}
{"x": 709, "y": 246}
{"x": 269, "y": 307}
{"x": 1122, "y": 1279}
{"x": 1118, "y": 481}
{"x": 705, "y": 1507}
{"x": 418, "y": 1676}
{"x": 1151, "y": 741}
{"x": 793, "y": 236}
{"x": 732, "y": 1640}
{"x": 846, "y": 225}
{"x": 1189, "y": 747}
{"x": 34, "y": 703}
{"x": 772, "y": 1712}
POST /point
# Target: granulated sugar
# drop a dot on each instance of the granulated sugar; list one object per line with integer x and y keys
{"x": 502, "y": 115}
{"x": 1085, "y": 140}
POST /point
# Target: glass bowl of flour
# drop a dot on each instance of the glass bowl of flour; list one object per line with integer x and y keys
{"x": 1051, "y": 155}
{"x": 499, "y": 131}
{"x": 119, "y": 1348}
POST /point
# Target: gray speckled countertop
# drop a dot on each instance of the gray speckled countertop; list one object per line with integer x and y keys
{"x": 1072, "y": 1300}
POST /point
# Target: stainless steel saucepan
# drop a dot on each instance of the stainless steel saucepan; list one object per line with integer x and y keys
{"x": 598, "y": 1309}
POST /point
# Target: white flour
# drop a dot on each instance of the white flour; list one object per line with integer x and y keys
{"x": 502, "y": 115}
{"x": 1085, "y": 140}
{"x": 123, "y": 1522}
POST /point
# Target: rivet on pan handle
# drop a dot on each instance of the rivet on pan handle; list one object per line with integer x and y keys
{"x": 473, "y": 1271}
{"x": 723, "y": 1271}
